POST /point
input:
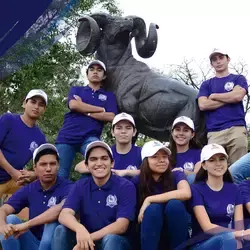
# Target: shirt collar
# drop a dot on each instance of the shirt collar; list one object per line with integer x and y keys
{"x": 51, "y": 189}
{"x": 101, "y": 90}
{"x": 106, "y": 186}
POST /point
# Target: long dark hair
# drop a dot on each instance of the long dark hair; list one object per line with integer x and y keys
{"x": 193, "y": 143}
{"x": 202, "y": 176}
{"x": 146, "y": 181}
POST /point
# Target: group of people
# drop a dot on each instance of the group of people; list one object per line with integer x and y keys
{"x": 178, "y": 196}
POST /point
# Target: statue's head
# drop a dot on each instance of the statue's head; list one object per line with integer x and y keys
{"x": 115, "y": 30}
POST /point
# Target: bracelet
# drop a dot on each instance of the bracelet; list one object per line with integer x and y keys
{"x": 88, "y": 114}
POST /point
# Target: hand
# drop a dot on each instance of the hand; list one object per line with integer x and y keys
{"x": 7, "y": 230}
{"x": 177, "y": 169}
{"x": 26, "y": 177}
{"x": 247, "y": 234}
{"x": 77, "y": 98}
{"x": 212, "y": 97}
{"x": 121, "y": 173}
{"x": 84, "y": 240}
{"x": 20, "y": 229}
{"x": 15, "y": 175}
{"x": 145, "y": 204}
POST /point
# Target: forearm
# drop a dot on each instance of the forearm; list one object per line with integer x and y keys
{"x": 230, "y": 97}
{"x": 84, "y": 108}
{"x": 104, "y": 116}
{"x": 133, "y": 172}
{"x": 209, "y": 104}
{"x": 114, "y": 228}
{"x": 48, "y": 216}
{"x": 181, "y": 195}
{"x": 81, "y": 168}
{"x": 5, "y": 164}
{"x": 70, "y": 221}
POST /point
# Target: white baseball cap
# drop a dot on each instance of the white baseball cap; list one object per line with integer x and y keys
{"x": 184, "y": 119}
{"x": 97, "y": 62}
{"x": 37, "y": 92}
{"x": 98, "y": 144}
{"x": 152, "y": 147}
{"x": 123, "y": 117}
{"x": 217, "y": 51}
{"x": 43, "y": 147}
{"x": 211, "y": 149}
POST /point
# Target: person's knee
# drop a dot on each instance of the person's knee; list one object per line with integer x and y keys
{"x": 226, "y": 238}
{"x": 174, "y": 206}
{"x": 153, "y": 209}
{"x": 13, "y": 219}
{"x": 60, "y": 232}
{"x": 110, "y": 238}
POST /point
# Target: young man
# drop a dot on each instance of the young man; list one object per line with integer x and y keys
{"x": 106, "y": 204}
{"x": 44, "y": 198}
{"x": 90, "y": 106}
{"x": 127, "y": 157}
{"x": 19, "y": 137}
{"x": 221, "y": 99}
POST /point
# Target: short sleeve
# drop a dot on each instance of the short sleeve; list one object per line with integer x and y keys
{"x": 204, "y": 90}
{"x": 127, "y": 202}
{"x": 20, "y": 199}
{"x": 73, "y": 91}
{"x": 242, "y": 81}
{"x": 179, "y": 176}
{"x": 66, "y": 189}
{"x": 74, "y": 197}
{"x": 111, "y": 104}
{"x": 244, "y": 188}
{"x": 197, "y": 199}
{"x": 5, "y": 125}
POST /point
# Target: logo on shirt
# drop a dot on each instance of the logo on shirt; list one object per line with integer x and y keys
{"x": 189, "y": 166}
{"x": 111, "y": 201}
{"x": 33, "y": 146}
{"x": 102, "y": 97}
{"x": 131, "y": 167}
{"x": 52, "y": 202}
{"x": 229, "y": 86}
{"x": 230, "y": 214}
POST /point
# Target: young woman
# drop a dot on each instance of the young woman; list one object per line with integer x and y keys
{"x": 185, "y": 151}
{"x": 160, "y": 196}
{"x": 217, "y": 204}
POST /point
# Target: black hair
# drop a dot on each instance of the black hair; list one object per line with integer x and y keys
{"x": 47, "y": 151}
{"x": 88, "y": 153}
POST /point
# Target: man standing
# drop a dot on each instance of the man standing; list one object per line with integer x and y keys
{"x": 44, "y": 198}
{"x": 19, "y": 137}
{"x": 221, "y": 99}
{"x": 106, "y": 204}
{"x": 90, "y": 106}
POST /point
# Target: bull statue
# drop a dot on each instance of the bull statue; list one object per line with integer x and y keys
{"x": 153, "y": 99}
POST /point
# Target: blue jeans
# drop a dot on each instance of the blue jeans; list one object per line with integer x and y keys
{"x": 65, "y": 239}
{"x": 67, "y": 154}
{"x": 240, "y": 170}
{"x": 28, "y": 239}
{"x": 191, "y": 178}
{"x": 223, "y": 241}
{"x": 175, "y": 216}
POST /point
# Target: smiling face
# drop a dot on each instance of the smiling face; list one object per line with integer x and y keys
{"x": 182, "y": 134}
{"x": 99, "y": 163}
{"x": 216, "y": 165}
{"x": 34, "y": 107}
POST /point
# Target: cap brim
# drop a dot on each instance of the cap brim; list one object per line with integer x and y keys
{"x": 43, "y": 147}
{"x": 98, "y": 144}
{"x": 214, "y": 153}
{"x": 29, "y": 97}
{"x": 123, "y": 119}
{"x": 156, "y": 149}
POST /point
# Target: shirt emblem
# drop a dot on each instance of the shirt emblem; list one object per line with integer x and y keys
{"x": 229, "y": 86}
{"x": 131, "y": 167}
{"x": 189, "y": 166}
{"x": 111, "y": 201}
{"x": 102, "y": 97}
{"x": 33, "y": 146}
{"x": 230, "y": 214}
{"x": 52, "y": 202}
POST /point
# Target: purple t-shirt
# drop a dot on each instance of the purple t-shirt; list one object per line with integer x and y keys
{"x": 245, "y": 191}
{"x": 131, "y": 160}
{"x": 78, "y": 126}
{"x": 158, "y": 187}
{"x": 101, "y": 206}
{"x": 38, "y": 200}
{"x": 188, "y": 159}
{"x": 229, "y": 115}
{"x": 17, "y": 142}
{"x": 219, "y": 205}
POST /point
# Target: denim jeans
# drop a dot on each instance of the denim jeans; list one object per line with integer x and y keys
{"x": 191, "y": 178}
{"x": 65, "y": 239}
{"x": 222, "y": 241}
{"x": 174, "y": 214}
{"x": 28, "y": 239}
{"x": 67, "y": 154}
{"x": 240, "y": 170}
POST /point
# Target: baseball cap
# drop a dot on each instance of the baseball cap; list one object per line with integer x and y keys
{"x": 123, "y": 117}
{"x": 217, "y": 51}
{"x": 211, "y": 149}
{"x": 152, "y": 147}
{"x": 97, "y": 62}
{"x": 184, "y": 119}
{"x": 37, "y": 92}
{"x": 43, "y": 147}
{"x": 98, "y": 144}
